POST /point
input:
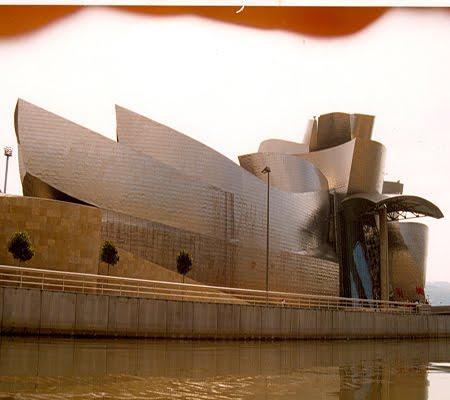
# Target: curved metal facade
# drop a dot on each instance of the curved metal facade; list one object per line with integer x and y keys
{"x": 367, "y": 172}
{"x": 181, "y": 152}
{"x": 333, "y": 129}
{"x": 337, "y": 128}
{"x": 353, "y": 167}
{"x": 408, "y": 242}
{"x": 160, "y": 190}
{"x": 86, "y": 166}
{"x": 335, "y": 163}
{"x": 282, "y": 146}
{"x": 288, "y": 173}
{"x": 362, "y": 125}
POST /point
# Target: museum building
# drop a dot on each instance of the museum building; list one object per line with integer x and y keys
{"x": 319, "y": 212}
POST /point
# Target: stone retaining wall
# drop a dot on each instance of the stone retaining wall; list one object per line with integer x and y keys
{"x": 33, "y": 311}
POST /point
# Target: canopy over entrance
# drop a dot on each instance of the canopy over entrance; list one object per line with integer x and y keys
{"x": 398, "y": 206}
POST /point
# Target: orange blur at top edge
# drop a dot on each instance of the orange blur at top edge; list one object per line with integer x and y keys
{"x": 314, "y": 21}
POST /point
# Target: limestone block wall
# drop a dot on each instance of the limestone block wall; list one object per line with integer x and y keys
{"x": 65, "y": 236}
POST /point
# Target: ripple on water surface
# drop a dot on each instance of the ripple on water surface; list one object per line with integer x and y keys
{"x": 43, "y": 368}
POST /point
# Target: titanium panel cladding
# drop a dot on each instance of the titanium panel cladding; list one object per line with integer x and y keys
{"x": 353, "y": 167}
{"x": 181, "y": 152}
{"x": 336, "y": 128}
{"x": 333, "y": 129}
{"x": 367, "y": 172}
{"x": 282, "y": 146}
{"x": 408, "y": 243}
{"x": 93, "y": 169}
{"x": 335, "y": 163}
{"x": 362, "y": 125}
{"x": 288, "y": 173}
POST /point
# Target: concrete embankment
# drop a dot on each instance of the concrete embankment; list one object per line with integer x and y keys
{"x": 33, "y": 311}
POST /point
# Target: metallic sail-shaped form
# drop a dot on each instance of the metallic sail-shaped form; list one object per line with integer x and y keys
{"x": 159, "y": 190}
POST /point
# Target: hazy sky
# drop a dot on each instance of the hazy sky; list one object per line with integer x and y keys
{"x": 231, "y": 87}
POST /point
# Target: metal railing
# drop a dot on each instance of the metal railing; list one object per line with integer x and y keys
{"x": 132, "y": 287}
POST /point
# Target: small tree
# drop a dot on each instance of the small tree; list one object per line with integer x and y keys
{"x": 20, "y": 247}
{"x": 109, "y": 254}
{"x": 184, "y": 263}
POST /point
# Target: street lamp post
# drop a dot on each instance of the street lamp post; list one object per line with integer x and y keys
{"x": 267, "y": 171}
{"x": 8, "y": 153}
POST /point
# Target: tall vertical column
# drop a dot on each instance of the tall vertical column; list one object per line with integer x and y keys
{"x": 384, "y": 267}
{"x": 338, "y": 241}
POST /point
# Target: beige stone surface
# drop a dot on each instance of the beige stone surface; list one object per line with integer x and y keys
{"x": 65, "y": 236}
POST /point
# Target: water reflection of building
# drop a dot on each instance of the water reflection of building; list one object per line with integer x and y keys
{"x": 158, "y": 191}
{"x": 383, "y": 381}
{"x": 57, "y": 368}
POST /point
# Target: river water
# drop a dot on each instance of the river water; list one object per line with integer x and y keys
{"x": 49, "y": 368}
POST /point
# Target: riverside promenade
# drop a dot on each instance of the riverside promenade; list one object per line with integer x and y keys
{"x": 47, "y": 302}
